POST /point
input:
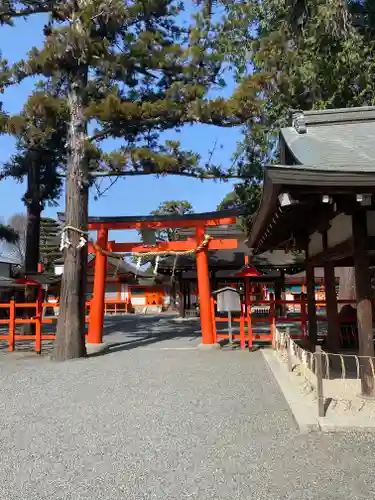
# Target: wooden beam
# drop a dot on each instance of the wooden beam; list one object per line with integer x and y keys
{"x": 364, "y": 294}
{"x": 219, "y": 221}
{"x": 176, "y": 246}
{"x": 338, "y": 252}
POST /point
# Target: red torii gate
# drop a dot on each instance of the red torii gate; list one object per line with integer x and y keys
{"x": 197, "y": 221}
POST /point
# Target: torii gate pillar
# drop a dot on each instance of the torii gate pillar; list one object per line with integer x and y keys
{"x": 204, "y": 291}
{"x": 95, "y": 333}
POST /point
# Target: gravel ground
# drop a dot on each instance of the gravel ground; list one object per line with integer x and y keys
{"x": 161, "y": 420}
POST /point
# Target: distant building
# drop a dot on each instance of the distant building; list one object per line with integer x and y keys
{"x": 126, "y": 284}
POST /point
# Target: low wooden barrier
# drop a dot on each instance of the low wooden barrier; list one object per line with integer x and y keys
{"x": 116, "y": 307}
{"x": 38, "y": 319}
{"x": 267, "y": 312}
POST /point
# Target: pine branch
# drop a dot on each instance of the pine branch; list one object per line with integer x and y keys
{"x": 7, "y": 12}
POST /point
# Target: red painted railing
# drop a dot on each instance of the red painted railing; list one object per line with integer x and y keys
{"x": 248, "y": 320}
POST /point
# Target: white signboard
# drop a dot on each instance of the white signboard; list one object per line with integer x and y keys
{"x": 228, "y": 300}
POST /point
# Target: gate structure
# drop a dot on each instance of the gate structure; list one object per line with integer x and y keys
{"x": 199, "y": 245}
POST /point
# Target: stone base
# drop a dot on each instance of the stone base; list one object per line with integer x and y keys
{"x": 208, "y": 347}
{"x": 94, "y": 349}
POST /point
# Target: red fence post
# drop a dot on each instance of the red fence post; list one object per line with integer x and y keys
{"x": 12, "y": 326}
{"x": 213, "y": 318}
{"x": 38, "y": 326}
{"x": 242, "y": 325}
{"x": 303, "y": 319}
{"x": 273, "y": 318}
{"x": 248, "y": 314}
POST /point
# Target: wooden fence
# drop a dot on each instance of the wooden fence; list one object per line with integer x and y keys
{"x": 14, "y": 310}
{"x": 267, "y": 313}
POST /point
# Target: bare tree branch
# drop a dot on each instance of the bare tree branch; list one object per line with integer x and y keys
{"x": 212, "y": 152}
{"x": 202, "y": 176}
{"x": 102, "y": 193}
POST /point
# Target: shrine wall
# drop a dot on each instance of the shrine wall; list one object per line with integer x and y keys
{"x": 340, "y": 230}
{"x": 315, "y": 244}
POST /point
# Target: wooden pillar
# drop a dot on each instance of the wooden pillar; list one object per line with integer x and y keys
{"x": 188, "y": 294}
{"x": 278, "y": 297}
{"x": 333, "y": 333}
{"x": 204, "y": 291}
{"x": 364, "y": 294}
{"x": 95, "y": 334}
{"x": 283, "y": 310}
{"x": 280, "y": 294}
{"x": 181, "y": 288}
{"x": 311, "y": 305}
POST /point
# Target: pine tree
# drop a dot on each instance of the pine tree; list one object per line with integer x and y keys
{"x": 7, "y": 234}
{"x": 316, "y": 54}
{"x": 40, "y": 131}
{"x": 49, "y": 242}
{"x": 173, "y": 208}
{"x": 131, "y": 70}
{"x": 40, "y": 155}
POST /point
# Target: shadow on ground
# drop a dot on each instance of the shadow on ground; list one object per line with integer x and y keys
{"x": 128, "y": 332}
{"x": 131, "y": 332}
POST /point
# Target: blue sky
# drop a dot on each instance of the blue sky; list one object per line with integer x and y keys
{"x": 129, "y": 196}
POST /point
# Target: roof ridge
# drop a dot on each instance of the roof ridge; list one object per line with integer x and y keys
{"x": 301, "y": 119}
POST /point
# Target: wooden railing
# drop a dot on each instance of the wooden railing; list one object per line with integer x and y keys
{"x": 266, "y": 312}
{"x": 37, "y": 318}
{"x": 247, "y": 320}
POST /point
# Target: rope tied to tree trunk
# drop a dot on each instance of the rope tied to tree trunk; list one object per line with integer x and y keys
{"x": 65, "y": 241}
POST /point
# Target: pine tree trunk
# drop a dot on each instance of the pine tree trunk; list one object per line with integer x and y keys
{"x": 33, "y": 218}
{"x": 32, "y": 198}
{"x": 70, "y": 335}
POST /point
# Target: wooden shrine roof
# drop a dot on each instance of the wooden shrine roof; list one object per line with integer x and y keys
{"x": 220, "y": 232}
{"x": 329, "y": 152}
{"x": 340, "y": 137}
{"x": 223, "y": 262}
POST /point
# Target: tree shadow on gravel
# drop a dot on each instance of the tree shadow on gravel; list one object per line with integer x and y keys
{"x": 143, "y": 331}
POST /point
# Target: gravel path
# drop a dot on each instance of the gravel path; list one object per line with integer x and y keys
{"x": 164, "y": 421}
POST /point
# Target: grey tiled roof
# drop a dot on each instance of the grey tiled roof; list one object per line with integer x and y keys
{"x": 332, "y": 137}
{"x": 9, "y": 260}
{"x": 339, "y": 115}
{"x": 235, "y": 259}
{"x": 347, "y": 143}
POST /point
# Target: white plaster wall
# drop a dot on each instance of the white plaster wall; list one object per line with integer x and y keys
{"x": 59, "y": 269}
{"x": 138, "y": 301}
{"x": 371, "y": 223}
{"x": 315, "y": 244}
{"x": 340, "y": 230}
{"x": 124, "y": 291}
